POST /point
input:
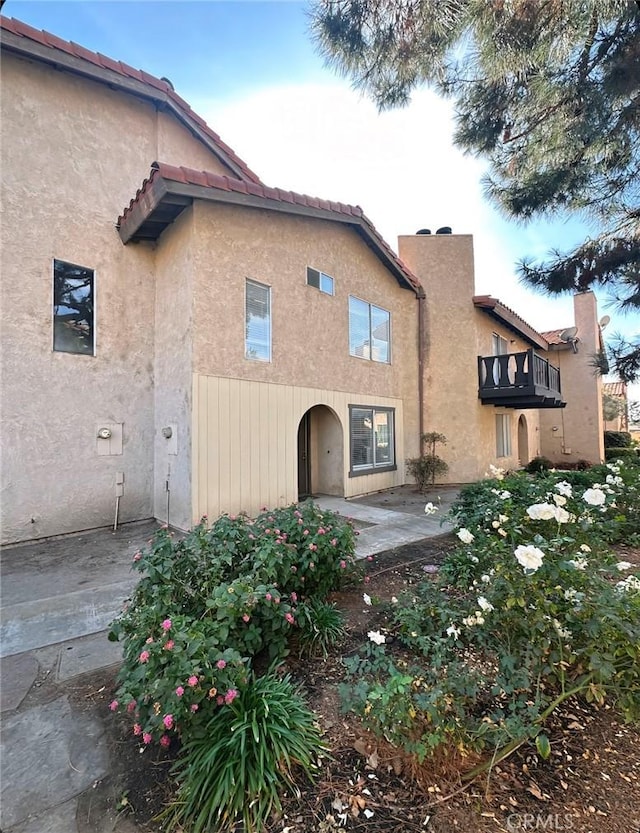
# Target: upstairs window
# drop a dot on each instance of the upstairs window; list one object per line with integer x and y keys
{"x": 320, "y": 280}
{"x": 369, "y": 331}
{"x": 73, "y": 308}
{"x": 257, "y": 345}
{"x": 499, "y": 345}
{"x": 372, "y": 439}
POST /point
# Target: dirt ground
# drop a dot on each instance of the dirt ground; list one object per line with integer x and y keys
{"x": 590, "y": 784}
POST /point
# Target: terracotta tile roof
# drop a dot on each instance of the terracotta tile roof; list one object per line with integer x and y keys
{"x": 95, "y": 65}
{"x": 137, "y": 220}
{"x": 615, "y": 389}
{"x": 553, "y": 336}
{"x": 503, "y": 313}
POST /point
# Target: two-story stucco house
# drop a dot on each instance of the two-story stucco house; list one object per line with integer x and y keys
{"x": 179, "y": 339}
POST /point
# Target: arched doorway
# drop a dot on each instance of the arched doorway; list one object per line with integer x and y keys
{"x": 523, "y": 441}
{"x": 320, "y": 453}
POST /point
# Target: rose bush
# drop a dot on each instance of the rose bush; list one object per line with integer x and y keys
{"x": 209, "y": 603}
{"x": 531, "y": 607}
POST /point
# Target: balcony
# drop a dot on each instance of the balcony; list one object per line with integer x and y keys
{"x": 519, "y": 380}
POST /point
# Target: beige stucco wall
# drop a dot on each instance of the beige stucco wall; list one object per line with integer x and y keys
{"x": 577, "y": 432}
{"x": 73, "y": 154}
{"x": 258, "y": 405}
{"x": 456, "y": 334}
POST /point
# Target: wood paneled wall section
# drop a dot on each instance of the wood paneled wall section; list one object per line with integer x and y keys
{"x": 245, "y": 443}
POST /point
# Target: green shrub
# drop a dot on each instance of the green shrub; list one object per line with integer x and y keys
{"x": 617, "y": 439}
{"x": 211, "y": 602}
{"x": 531, "y": 609}
{"x": 428, "y": 466}
{"x": 236, "y": 767}
{"x": 538, "y": 464}
{"x": 629, "y": 455}
{"x": 320, "y": 626}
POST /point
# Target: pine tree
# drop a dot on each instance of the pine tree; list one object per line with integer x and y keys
{"x": 547, "y": 90}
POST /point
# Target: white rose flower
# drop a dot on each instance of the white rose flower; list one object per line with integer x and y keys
{"x": 624, "y": 565}
{"x": 366, "y": 599}
{"x": 631, "y": 584}
{"x": 563, "y": 633}
{"x": 429, "y": 509}
{"x": 585, "y": 548}
{"x": 495, "y": 524}
{"x": 564, "y": 488}
{"x": 453, "y": 631}
{"x": 542, "y": 512}
{"x": 496, "y": 472}
{"x": 479, "y": 618}
{"x": 502, "y": 532}
{"x": 594, "y": 497}
{"x": 485, "y": 605}
{"x": 469, "y": 621}
{"x": 377, "y": 637}
{"x": 504, "y": 495}
{"x": 579, "y": 563}
{"x": 486, "y": 578}
{"x": 559, "y": 500}
{"x": 529, "y": 556}
{"x": 465, "y": 536}
{"x": 562, "y": 516}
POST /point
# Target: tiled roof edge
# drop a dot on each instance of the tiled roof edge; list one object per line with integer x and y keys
{"x": 488, "y": 302}
{"x": 207, "y": 179}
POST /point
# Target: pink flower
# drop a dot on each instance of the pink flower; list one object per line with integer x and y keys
{"x": 276, "y": 601}
{"x": 169, "y": 645}
{"x": 245, "y": 617}
{"x": 137, "y": 556}
{"x": 230, "y": 696}
{"x": 166, "y": 624}
{"x": 221, "y": 664}
{"x": 334, "y": 541}
{"x": 306, "y": 532}
{"x": 233, "y": 517}
{"x": 131, "y": 706}
{"x": 144, "y": 656}
{"x": 294, "y": 597}
{"x": 313, "y": 547}
{"x": 194, "y": 707}
{"x": 113, "y": 705}
{"x": 165, "y": 741}
{"x": 267, "y": 531}
{"x": 220, "y": 700}
{"x": 321, "y": 531}
{"x": 168, "y": 721}
{"x": 369, "y": 558}
{"x": 343, "y": 565}
{"x": 193, "y": 680}
{"x": 149, "y": 640}
{"x": 179, "y": 691}
{"x": 146, "y": 738}
{"x": 137, "y": 729}
{"x": 289, "y": 618}
{"x": 268, "y": 597}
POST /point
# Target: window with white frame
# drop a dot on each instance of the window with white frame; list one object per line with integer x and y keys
{"x": 320, "y": 280}
{"x": 73, "y": 308}
{"x": 372, "y": 438}
{"x": 257, "y": 344}
{"x": 503, "y": 435}
{"x": 369, "y": 331}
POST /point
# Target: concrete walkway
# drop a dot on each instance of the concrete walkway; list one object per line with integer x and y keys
{"x": 57, "y": 597}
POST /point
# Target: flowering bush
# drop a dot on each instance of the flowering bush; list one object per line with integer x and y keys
{"x": 208, "y": 603}
{"x": 531, "y": 608}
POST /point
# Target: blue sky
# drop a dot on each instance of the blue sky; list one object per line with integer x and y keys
{"x": 251, "y": 70}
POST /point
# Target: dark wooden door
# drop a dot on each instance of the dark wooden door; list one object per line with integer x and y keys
{"x": 304, "y": 457}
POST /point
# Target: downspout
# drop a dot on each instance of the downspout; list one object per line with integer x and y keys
{"x": 421, "y": 363}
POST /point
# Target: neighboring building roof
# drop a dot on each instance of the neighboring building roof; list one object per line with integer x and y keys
{"x": 24, "y": 40}
{"x": 553, "y": 336}
{"x": 510, "y": 319}
{"x": 170, "y": 189}
{"x": 615, "y": 389}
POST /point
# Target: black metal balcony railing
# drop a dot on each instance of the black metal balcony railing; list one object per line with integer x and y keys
{"x": 519, "y": 380}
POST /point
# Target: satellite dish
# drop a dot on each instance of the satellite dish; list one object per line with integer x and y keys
{"x": 569, "y": 334}
{"x": 604, "y": 321}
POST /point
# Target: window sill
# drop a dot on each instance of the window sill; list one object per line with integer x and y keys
{"x": 372, "y": 470}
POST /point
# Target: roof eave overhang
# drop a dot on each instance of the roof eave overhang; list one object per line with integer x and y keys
{"x": 26, "y": 48}
{"x": 160, "y": 193}
{"x": 493, "y": 308}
